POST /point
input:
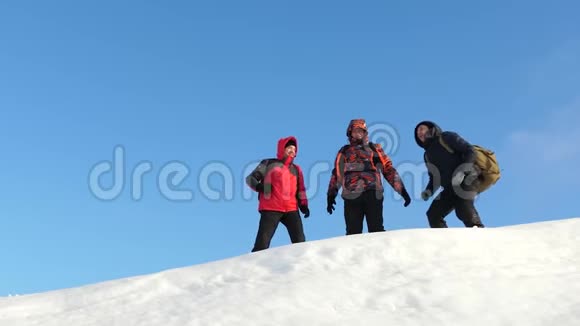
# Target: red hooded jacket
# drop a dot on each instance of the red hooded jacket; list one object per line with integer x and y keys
{"x": 282, "y": 181}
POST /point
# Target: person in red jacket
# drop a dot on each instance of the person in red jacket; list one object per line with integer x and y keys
{"x": 281, "y": 193}
{"x": 357, "y": 170}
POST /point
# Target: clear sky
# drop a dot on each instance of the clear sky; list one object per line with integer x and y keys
{"x": 208, "y": 88}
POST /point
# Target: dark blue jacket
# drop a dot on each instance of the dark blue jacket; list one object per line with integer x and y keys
{"x": 442, "y": 164}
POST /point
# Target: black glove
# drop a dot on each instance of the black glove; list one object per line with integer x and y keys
{"x": 465, "y": 176}
{"x": 330, "y": 202}
{"x": 305, "y": 211}
{"x": 470, "y": 177}
{"x": 406, "y": 196}
{"x": 260, "y": 187}
{"x": 426, "y": 194}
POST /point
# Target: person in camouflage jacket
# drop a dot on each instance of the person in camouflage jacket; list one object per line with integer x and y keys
{"x": 358, "y": 169}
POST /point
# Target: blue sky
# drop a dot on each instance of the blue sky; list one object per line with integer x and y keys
{"x": 212, "y": 86}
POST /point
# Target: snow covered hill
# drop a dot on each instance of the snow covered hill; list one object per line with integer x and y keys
{"x": 518, "y": 275}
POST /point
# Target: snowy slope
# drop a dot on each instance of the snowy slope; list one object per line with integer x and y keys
{"x": 519, "y": 275}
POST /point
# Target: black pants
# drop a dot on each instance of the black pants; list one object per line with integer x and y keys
{"x": 369, "y": 204}
{"x": 448, "y": 201}
{"x": 269, "y": 221}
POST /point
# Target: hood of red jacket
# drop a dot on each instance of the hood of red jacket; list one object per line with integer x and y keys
{"x": 282, "y": 145}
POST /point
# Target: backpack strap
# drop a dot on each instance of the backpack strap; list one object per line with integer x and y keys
{"x": 343, "y": 148}
{"x": 376, "y": 157}
{"x": 372, "y": 146}
{"x": 444, "y": 144}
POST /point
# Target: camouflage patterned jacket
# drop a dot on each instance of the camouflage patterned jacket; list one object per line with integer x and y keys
{"x": 358, "y": 168}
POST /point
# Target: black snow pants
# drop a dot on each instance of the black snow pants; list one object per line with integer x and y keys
{"x": 446, "y": 202}
{"x": 269, "y": 221}
{"x": 369, "y": 204}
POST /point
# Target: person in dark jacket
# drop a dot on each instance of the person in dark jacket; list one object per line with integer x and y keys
{"x": 450, "y": 164}
{"x": 357, "y": 170}
{"x": 281, "y": 193}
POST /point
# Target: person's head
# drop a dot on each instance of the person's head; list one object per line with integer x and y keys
{"x": 287, "y": 147}
{"x": 421, "y": 132}
{"x": 290, "y": 148}
{"x": 357, "y": 131}
{"x": 425, "y": 131}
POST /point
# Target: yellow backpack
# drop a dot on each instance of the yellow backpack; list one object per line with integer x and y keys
{"x": 486, "y": 161}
